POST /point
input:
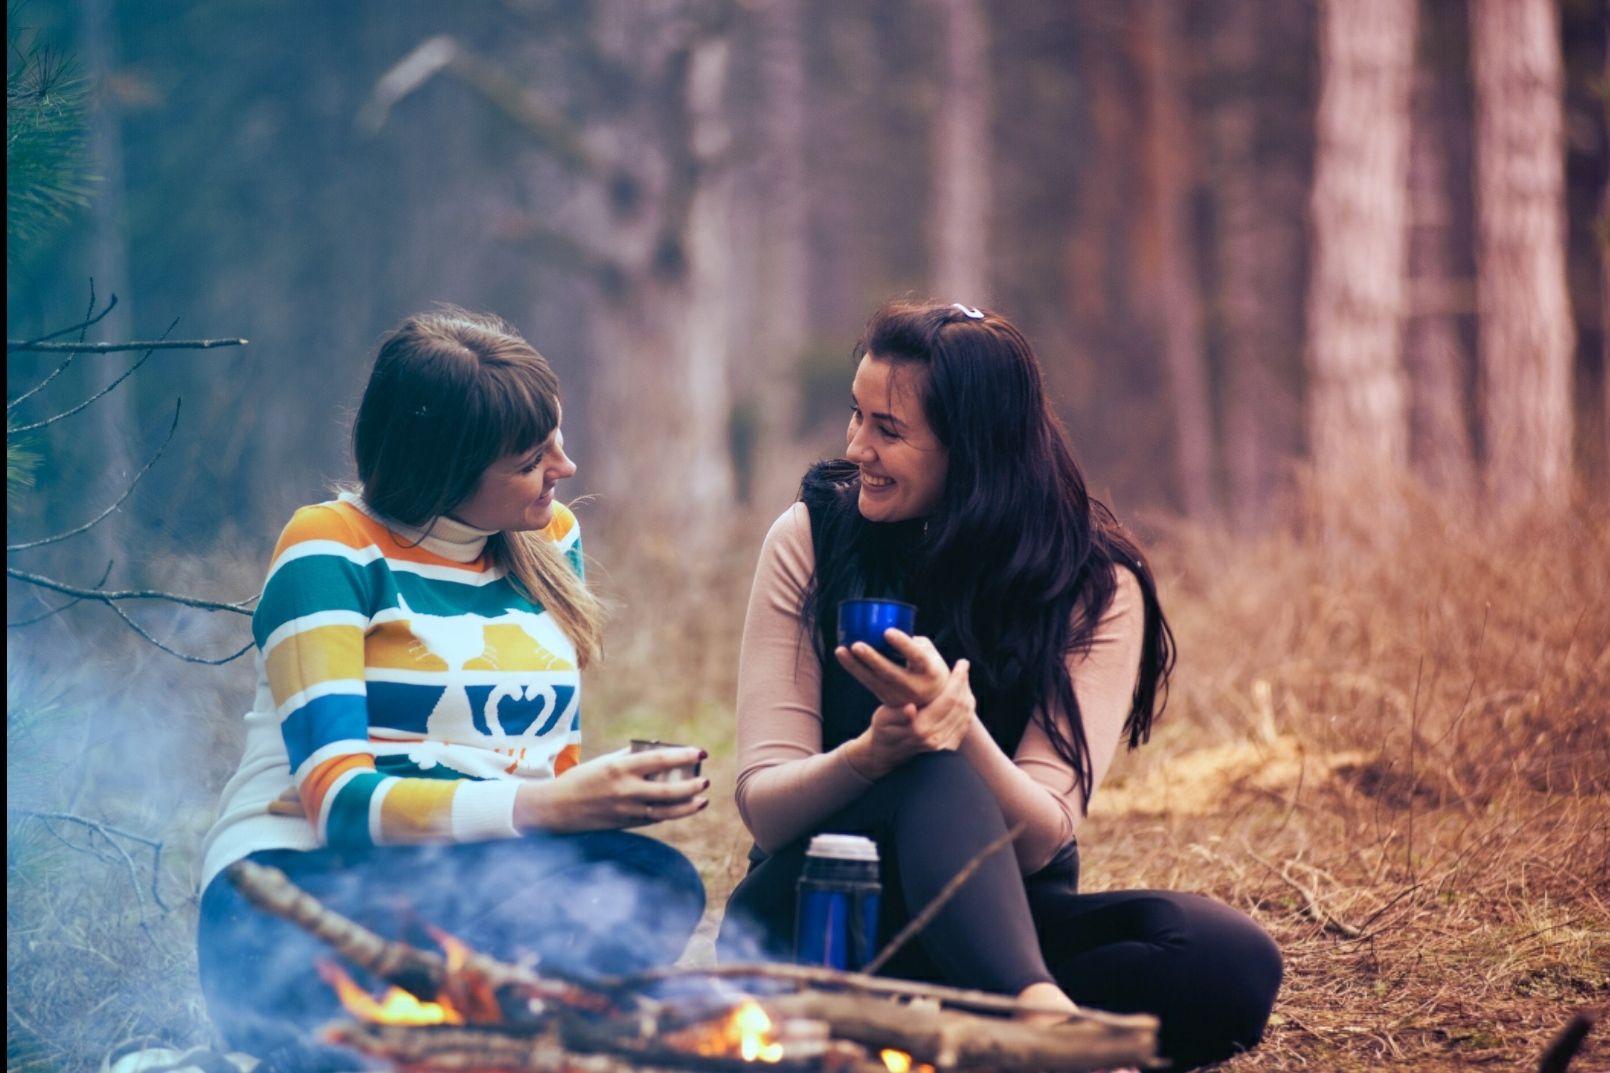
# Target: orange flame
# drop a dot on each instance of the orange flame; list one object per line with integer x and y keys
{"x": 895, "y": 1061}
{"x": 396, "y": 1007}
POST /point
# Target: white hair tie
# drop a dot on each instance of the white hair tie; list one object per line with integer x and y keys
{"x": 975, "y": 314}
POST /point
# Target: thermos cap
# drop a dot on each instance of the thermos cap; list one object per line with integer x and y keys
{"x": 843, "y": 848}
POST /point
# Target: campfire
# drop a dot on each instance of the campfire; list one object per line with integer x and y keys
{"x": 460, "y": 1011}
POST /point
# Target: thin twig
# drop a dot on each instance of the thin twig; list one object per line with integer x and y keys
{"x": 108, "y": 596}
{"x": 81, "y": 329}
{"x": 1326, "y": 919}
{"x": 15, "y": 346}
{"x": 59, "y": 608}
{"x": 106, "y": 831}
{"x": 102, "y": 516}
{"x": 187, "y": 657}
{"x": 130, "y": 371}
{"x": 915, "y": 925}
{"x": 84, "y": 325}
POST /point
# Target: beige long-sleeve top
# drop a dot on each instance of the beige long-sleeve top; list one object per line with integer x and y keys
{"x": 787, "y": 784}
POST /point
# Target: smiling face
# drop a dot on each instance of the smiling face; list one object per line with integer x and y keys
{"x": 515, "y": 493}
{"x": 903, "y": 464}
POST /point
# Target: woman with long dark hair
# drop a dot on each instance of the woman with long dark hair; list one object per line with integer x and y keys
{"x": 1042, "y": 645}
{"x": 413, "y": 755}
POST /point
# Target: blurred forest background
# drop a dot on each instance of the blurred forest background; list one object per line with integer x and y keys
{"x": 1320, "y": 290}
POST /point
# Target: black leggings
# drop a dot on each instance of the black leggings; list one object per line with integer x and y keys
{"x": 1206, "y": 971}
{"x": 607, "y": 902}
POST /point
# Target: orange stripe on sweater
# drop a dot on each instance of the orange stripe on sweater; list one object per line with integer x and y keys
{"x": 320, "y": 779}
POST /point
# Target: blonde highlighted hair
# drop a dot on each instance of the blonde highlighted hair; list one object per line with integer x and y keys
{"x": 451, "y": 393}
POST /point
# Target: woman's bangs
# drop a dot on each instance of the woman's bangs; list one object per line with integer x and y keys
{"x": 520, "y": 410}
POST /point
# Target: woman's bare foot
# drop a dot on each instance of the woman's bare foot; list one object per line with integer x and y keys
{"x": 1052, "y": 1004}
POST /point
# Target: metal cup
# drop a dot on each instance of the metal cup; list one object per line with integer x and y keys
{"x": 684, "y": 771}
{"x": 865, "y": 620}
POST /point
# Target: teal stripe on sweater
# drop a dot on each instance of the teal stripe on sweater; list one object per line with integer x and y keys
{"x": 349, "y": 812}
{"x": 316, "y": 583}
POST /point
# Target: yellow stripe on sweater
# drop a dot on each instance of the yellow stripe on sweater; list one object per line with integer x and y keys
{"x": 322, "y": 654}
{"x": 417, "y": 809}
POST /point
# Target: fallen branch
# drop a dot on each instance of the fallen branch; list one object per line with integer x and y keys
{"x": 17, "y": 346}
{"x": 1315, "y": 909}
{"x": 915, "y": 925}
{"x": 107, "y": 831}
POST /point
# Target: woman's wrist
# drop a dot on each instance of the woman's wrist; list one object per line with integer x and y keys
{"x": 863, "y": 756}
{"x": 538, "y": 807}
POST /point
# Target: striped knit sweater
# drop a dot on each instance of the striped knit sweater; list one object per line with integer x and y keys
{"x": 405, "y": 689}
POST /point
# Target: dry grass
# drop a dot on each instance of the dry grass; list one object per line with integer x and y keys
{"x": 1391, "y": 748}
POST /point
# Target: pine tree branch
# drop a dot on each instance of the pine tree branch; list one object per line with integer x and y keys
{"x": 187, "y": 657}
{"x": 102, "y": 516}
{"x": 59, "y": 608}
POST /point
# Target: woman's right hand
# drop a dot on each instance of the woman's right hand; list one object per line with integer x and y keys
{"x": 612, "y": 791}
{"x": 898, "y": 733}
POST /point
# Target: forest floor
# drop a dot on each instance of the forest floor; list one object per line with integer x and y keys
{"x": 1392, "y": 749}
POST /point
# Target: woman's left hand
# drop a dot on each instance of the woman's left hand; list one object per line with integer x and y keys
{"x": 919, "y": 682}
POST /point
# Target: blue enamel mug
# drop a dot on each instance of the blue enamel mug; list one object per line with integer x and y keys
{"x": 866, "y": 619}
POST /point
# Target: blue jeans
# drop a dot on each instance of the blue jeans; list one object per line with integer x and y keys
{"x": 599, "y": 903}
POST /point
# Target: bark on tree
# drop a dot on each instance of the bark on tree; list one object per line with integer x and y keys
{"x": 962, "y": 157}
{"x": 1441, "y": 286}
{"x": 1259, "y": 188}
{"x": 1357, "y": 398}
{"x": 1526, "y": 332}
{"x": 1177, "y": 290}
{"x": 773, "y": 373}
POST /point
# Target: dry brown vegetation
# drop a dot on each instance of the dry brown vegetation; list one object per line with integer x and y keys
{"x": 1391, "y": 747}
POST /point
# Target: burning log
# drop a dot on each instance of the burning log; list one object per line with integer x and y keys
{"x": 484, "y": 989}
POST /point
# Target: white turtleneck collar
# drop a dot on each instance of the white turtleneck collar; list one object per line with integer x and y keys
{"x": 447, "y": 537}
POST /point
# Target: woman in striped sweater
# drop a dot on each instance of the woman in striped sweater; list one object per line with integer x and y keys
{"x": 413, "y": 755}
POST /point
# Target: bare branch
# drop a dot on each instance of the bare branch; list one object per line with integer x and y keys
{"x": 102, "y": 516}
{"x": 84, "y": 325}
{"x": 130, "y": 371}
{"x": 107, "y": 831}
{"x": 15, "y": 346}
{"x": 108, "y": 596}
{"x": 82, "y": 329}
{"x": 59, "y": 608}
{"x": 187, "y": 657}
{"x": 442, "y": 53}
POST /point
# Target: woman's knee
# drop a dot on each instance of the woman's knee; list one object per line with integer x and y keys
{"x": 939, "y": 781}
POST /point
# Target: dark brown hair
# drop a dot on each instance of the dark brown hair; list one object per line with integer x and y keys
{"x": 1018, "y": 563}
{"x": 451, "y": 393}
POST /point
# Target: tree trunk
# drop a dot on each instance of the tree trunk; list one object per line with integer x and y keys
{"x": 1177, "y": 291}
{"x": 1357, "y": 401}
{"x": 1526, "y": 334}
{"x": 1259, "y": 186}
{"x": 962, "y": 157}
{"x": 774, "y": 372}
{"x": 1441, "y": 287}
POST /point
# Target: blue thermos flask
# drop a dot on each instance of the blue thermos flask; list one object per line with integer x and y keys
{"x": 836, "y": 916}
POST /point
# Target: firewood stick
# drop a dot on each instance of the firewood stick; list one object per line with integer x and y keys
{"x": 450, "y": 1050}
{"x": 821, "y": 976}
{"x": 473, "y": 987}
{"x": 951, "y": 1040}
